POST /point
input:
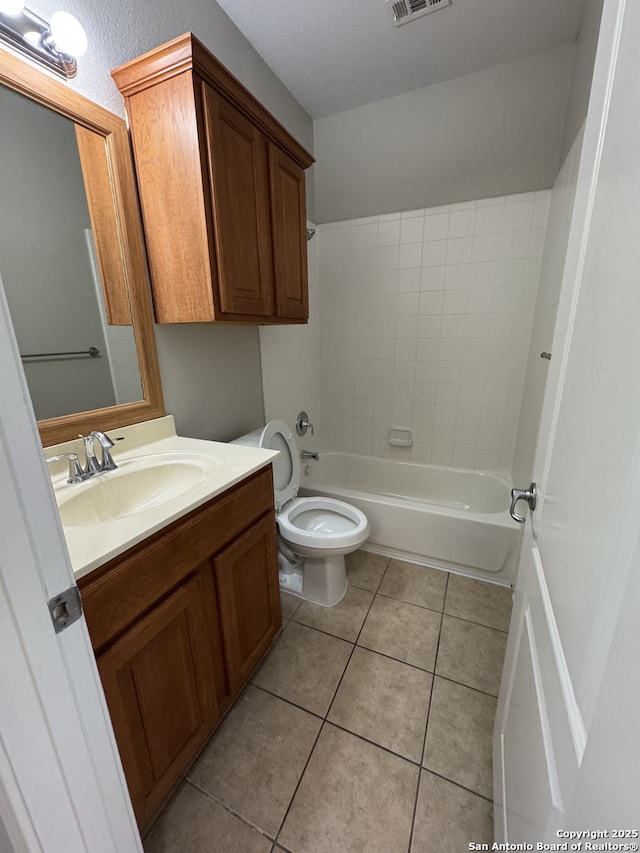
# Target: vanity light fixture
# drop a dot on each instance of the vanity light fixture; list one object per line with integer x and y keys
{"x": 55, "y": 45}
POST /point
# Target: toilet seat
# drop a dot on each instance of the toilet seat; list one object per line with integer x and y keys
{"x": 322, "y": 523}
{"x": 286, "y": 466}
{"x": 315, "y": 523}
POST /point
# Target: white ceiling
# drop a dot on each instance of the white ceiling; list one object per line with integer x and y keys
{"x": 333, "y": 55}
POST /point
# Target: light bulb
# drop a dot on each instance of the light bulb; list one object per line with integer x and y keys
{"x": 68, "y": 34}
{"x": 11, "y": 7}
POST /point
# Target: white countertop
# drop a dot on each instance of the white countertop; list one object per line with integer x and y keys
{"x": 93, "y": 544}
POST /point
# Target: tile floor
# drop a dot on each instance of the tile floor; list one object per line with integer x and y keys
{"x": 367, "y": 729}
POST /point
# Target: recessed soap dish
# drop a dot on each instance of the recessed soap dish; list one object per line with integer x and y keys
{"x": 400, "y": 437}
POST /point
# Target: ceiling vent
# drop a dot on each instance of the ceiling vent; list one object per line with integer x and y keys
{"x": 405, "y": 11}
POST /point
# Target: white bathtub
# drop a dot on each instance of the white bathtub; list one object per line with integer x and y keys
{"x": 450, "y": 518}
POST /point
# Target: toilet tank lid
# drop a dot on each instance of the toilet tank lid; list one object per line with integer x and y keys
{"x": 250, "y": 439}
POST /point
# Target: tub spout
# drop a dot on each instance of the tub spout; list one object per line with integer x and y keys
{"x": 309, "y": 454}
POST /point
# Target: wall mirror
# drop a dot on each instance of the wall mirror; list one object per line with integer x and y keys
{"x": 72, "y": 259}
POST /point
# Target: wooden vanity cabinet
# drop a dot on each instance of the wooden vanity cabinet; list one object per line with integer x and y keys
{"x": 222, "y": 191}
{"x": 177, "y": 624}
{"x": 248, "y": 599}
{"x": 159, "y": 681}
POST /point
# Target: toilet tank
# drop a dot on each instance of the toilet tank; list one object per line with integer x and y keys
{"x": 250, "y": 439}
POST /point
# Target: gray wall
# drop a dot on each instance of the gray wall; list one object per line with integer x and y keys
{"x": 5, "y": 844}
{"x": 487, "y": 134}
{"x": 44, "y": 259}
{"x": 582, "y": 73}
{"x": 215, "y": 378}
{"x": 210, "y": 375}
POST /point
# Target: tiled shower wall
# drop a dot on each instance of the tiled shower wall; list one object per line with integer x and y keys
{"x": 425, "y": 321}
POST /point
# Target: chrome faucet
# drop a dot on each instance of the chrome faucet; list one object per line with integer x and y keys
{"x": 309, "y": 454}
{"x": 107, "y": 463}
{"x": 94, "y": 465}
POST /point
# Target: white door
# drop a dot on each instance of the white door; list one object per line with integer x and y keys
{"x": 62, "y": 789}
{"x": 567, "y": 749}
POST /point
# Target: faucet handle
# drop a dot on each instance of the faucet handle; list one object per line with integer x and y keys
{"x": 76, "y": 474}
{"x": 303, "y": 424}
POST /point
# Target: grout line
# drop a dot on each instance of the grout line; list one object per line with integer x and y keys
{"x": 299, "y": 782}
{"x": 371, "y": 603}
{"x": 229, "y": 809}
{"x": 325, "y": 721}
{"x": 468, "y": 686}
{"x": 443, "y": 611}
{"x": 319, "y": 630}
{"x": 424, "y": 744}
{"x": 333, "y": 723}
{"x": 288, "y": 701}
{"x": 384, "y": 571}
{"x": 366, "y": 589}
{"x": 426, "y": 727}
{"x": 344, "y": 671}
{"x": 416, "y": 763}
{"x": 415, "y": 807}
{"x": 299, "y": 602}
{"x": 479, "y": 624}
{"x": 413, "y": 603}
{"x": 457, "y": 784}
{"x": 398, "y": 660}
{"x": 386, "y": 749}
{"x": 324, "y": 631}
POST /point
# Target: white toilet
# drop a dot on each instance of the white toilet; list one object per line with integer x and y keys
{"x": 314, "y": 533}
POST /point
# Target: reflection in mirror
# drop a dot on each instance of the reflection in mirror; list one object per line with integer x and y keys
{"x": 49, "y": 269}
{"x": 107, "y": 168}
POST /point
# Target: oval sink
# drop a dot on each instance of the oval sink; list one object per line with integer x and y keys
{"x": 141, "y": 486}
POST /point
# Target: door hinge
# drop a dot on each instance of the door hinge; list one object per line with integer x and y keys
{"x": 65, "y": 608}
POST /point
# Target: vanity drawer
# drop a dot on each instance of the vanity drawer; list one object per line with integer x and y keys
{"x": 118, "y": 593}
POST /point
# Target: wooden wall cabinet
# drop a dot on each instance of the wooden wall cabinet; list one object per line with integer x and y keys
{"x": 178, "y": 623}
{"x": 222, "y": 191}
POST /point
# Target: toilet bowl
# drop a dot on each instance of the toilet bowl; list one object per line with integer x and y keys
{"x": 314, "y": 533}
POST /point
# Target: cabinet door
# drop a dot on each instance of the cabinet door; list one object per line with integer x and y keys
{"x": 173, "y": 184}
{"x": 249, "y": 598}
{"x": 238, "y": 168}
{"x": 288, "y": 217}
{"x": 159, "y": 682}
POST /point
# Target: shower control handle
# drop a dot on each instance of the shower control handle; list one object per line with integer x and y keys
{"x": 303, "y": 424}
{"x": 529, "y": 495}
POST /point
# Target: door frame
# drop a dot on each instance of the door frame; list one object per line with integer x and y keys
{"x": 61, "y": 780}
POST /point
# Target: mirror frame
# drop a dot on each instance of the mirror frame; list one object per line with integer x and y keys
{"x": 117, "y": 166}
